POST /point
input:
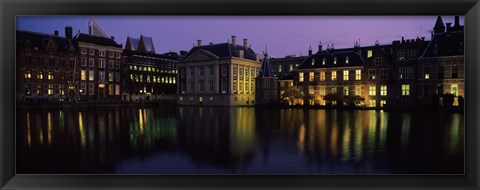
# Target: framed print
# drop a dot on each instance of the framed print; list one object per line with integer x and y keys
{"x": 217, "y": 95}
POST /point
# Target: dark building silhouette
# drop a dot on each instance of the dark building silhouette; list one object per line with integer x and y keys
{"x": 266, "y": 84}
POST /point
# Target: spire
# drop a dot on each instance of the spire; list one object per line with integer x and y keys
{"x": 266, "y": 69}
{"x": 439, "y": 26}
{"x": 95, "y": 29}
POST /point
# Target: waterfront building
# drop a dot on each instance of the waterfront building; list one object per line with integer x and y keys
{"x": 266, "y": 84}
{"x": 218, "y": 74}
{"x": 334, "y": 77}
{"x": 378, "y": 76}
{"x": 441, "y": 66}
{"x": 285, "y": 65}
{"x": 45, "y": 66}
{"x": 148, "y": 75}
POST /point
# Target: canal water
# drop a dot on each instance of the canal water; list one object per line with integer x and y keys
{"x": 237, "y": 140}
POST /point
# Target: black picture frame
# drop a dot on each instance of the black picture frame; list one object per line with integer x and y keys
{"x": 10, "y": 9}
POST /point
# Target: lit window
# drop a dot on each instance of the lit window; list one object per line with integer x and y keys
{"x": 358, "y": 90}
{"x": 311, "y": 90}
{"x": 371, "y": 74}
{"x": 28, "y": 74}
{"x": 322, "y": 75}
{"x": 50, "y": 76}
{"x": 323, "y": 61}
{"x": 345, "y": 90}
{"x": 372, "y": 103}
{"x": 383, "y": 90}
{"x": 345, "y": 75}
{"x": 383, "y": 103}
{"x": 405, "y": 90}
{"x": 322, "y": 90}
{"x": 50, "y": 89}
{"x": 91, "y": 75}
{"x": 110, "y": 77}
{"x": 311, "y": 76}
{"x": 290, "y": 68}
{"x": 313, "y": 61}
{"x": 300, "y": 77}
{"x": 454, "y": 89}
{"x": 83, "y": 75}
{"x": 335, "y": 60}
{"x": 40, "y": 75}
{"x": 334, "y": 75}
{"x": 333, "y": 90}
{"x": 358, "y": 74}
{"x": 427, "y": 76}
{"x": 369, "y": 53}
{"x": 372, "y": 91}
{"x": 346, "y": 60}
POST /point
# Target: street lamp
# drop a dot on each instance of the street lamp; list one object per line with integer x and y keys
{"x": 80, "y": 94}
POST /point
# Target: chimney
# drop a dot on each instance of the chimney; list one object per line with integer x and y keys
{"x": 245, "y": 42}
{"x": 234, "y": 40}
{"x": 199, "y": 42}
{"x": 55, "y": 32}
{"x": 320, "y": 46}
{"x": 68, "y": 32}
{"x": 449, "y": 26}
{"x": 457, "y": 22}
{"x": 403, "y": 40}
{"x": 310, "y": 50}
{"x": 423, "y": 38}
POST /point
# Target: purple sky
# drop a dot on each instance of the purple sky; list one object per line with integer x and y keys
{"x": 284, "y": 35}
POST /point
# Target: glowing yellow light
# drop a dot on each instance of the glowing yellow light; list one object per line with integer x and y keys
{"x": 49, "y": 125}
{"x": 29, "y": 135}
{"x": 81, "y": 130}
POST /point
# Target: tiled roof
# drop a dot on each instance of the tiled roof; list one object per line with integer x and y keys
{"x": 81, "y": 37}
{"x": 225, "y": 50}
{"x": 39, "y": 40}
{"x": 446, "y": 44}
{"x": 354, "y": 59}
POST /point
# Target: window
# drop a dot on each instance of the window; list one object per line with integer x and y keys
{"x": 311, "y": 90}
{"x": 372, "y": 91}
{"x": 346, "y": 60}
{"x": 383, "y": 103}
{"x": 210, "y": 85}
{"x": 401, "y": 56}
{"x": 322, "y": 75}
{"x": 323, "y": 61}
{"x": 322, "y": 90}
{"x": 240, "y": 87}
{"x": 454, "y": 71}
{"x": 200, "y": 86}
{"x": 369, "y": 53}
{"x": 110, "y": 64}
{"x": 378, "y": 61}
{"x": 383, "y": 90}
{"x": 279, "y": 68}
{"x": 224, "y": 71}
{"x": 40, "y": 75}
{"x": 201, "y": 71}
{"x": 91, "y": 88}
{"x": 358, "y": 90}
{"x": 192, "y": 71}
{"x": 241, "y": 54}
{"x": 83, "y": 61}
{"x": 345, "y": 75}
{"x": 211, "y": 70}
{"x": 235, "y": 86}
{"x": 405, "y": 90}
{"x": 300, "y": 77}
{"x": 313, "y": 61}
{"x": 50, "y": 89}
{"x": 383, "y": 74}
{"x": 454, "y": 89}
{"x": 224, "y": 86}
{"x": 372, "y": 103}
{"x": 335, "y": 60}
{"x": 102, "y": 63}
{"x": 83, "y": 51}
{"x": 83, "y": 75}
{"x": 39, "y": 90}
{"x": 406, "y": 72}
{"x": 333, "y": 90}
{"x": 440, "y": 73}
{"x": 192, "y": 86}
{"x": 426, "y": 72}
{"x": 117, "y": 76}
{"x": 411, "y": 55}
{"x": 358, "y": 74}
{"x": 101, "y": 53}
{"x": 290, "y": 68}
{"x": 117, "y": 64}
{"x": 28, "y": 89}
{"x": 345, "y": 90}
{"x": 110, "y": 54}
{"x": 50, "y": 75}
{"x": 117, "y": 55}
{"x": 311, "y": 76}
{"x": 91, "y": 62}
{"x": 51, "y": 62}
{"x": 101, "y": 75}
{"x": 28, "y": 74}
{"x": 460, "y": 47}
{"x": 235, "y": 71}
{"x": 334, "y": 75}
{"x": 91, "y": 75}
{"x": 91, "y": 52}
{"x": 371, "y": 74}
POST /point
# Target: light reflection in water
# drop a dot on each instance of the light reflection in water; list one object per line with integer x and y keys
{"x": 236, "y": 140}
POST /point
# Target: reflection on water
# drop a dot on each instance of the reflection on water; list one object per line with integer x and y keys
{"x": 193, "y": 140}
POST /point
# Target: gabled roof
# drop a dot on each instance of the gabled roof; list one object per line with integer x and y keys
{"x": 446, "y": 44}
{"x": 81, "y": 37}
{"x": 266, "y": 69}
{"x": 224, "y": 50}
{"x": 39, "y": 40}
{"x": 142, "y": 44}
{"x": 354, "y": 59}
{"x": 131, "y": 44}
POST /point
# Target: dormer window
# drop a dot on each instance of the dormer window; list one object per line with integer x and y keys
{"x": 435, "y": 49}
{"x": 241, "y": 54}
{"x": 346, "y": 60}
{"x": 460, "y": 47}
{"x": 313, "y": 61}
{"x": 335, "y": 60}
{"x": 369, "y": 53}
{"x": 323, "y": 61}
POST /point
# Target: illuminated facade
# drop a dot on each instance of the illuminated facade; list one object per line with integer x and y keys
{"x": 45, "y": 65}
{"x": 218, "y": 74}
{"x": 148, "y": 75}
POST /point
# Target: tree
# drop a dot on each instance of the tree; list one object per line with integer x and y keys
{"x": 291, "y": 95}
{"x": 331, "y": 97}
{"x": 448, "y": 100}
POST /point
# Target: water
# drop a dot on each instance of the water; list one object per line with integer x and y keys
{"x": 240, "y": 140}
